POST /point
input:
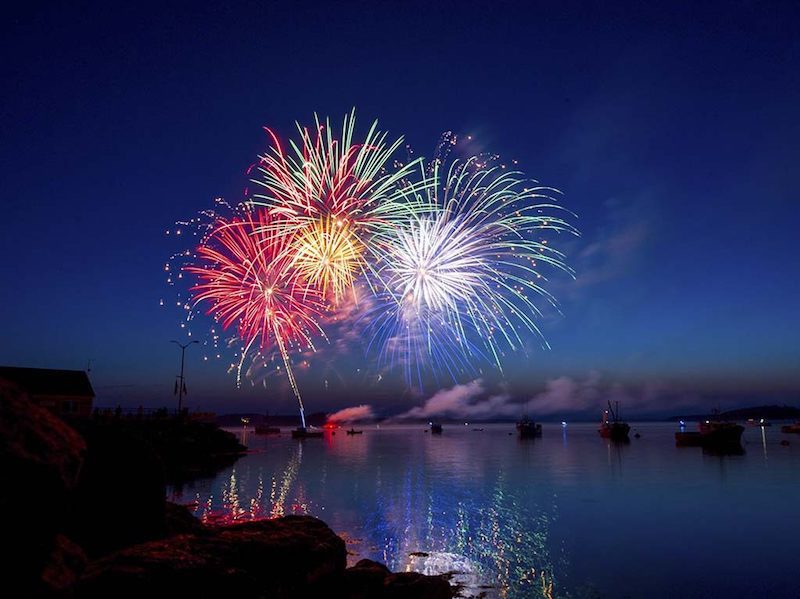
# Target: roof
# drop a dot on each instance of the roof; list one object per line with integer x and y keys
{"x": 44, "y": 381}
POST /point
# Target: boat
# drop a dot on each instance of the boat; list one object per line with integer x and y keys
{"x": 436, "y": 429}
{"x": 263, "y": 429}
{"x": 528, "y": 429}
{"x": 761, "y": 422}
{"x": 611, "y": 427}
{"x": 791, "y": 428}
{"x": 353, "y": 431}
{"x": 711, "y": 434}
{"x": 302, "y": 432}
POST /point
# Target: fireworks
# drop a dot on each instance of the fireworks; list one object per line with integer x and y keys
{"x": 461, "y": 280}
{"x": 453, "y": 251}
{"x": 327, "y": 253}
{"x": 245, "y": 275}
{"x": 338, "y": 198}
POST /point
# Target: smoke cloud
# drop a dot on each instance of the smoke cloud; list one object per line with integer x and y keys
{"x": 562, "y": 396}
{"x": 353, "y": 414}
{"x": 464, "y": 401}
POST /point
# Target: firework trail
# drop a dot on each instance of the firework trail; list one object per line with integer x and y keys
{"x": 463, "y": 276}
{"x": 340, "y": 200}
{"x": 245, "y": 278}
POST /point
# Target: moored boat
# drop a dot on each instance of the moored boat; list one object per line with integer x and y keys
{"x": 436, "y": 428}
{"x": 528, "y": 429}
{"x": 711, "y": 433}
{"x": 353, "y": 431}
{"x": 302, "y": 432}
{"x": 263, "y": 429}
{"x": 611, "y": 427}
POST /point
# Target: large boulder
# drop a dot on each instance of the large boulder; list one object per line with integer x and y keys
{"x": 372, "y": 580}
{"x": 63, "y": 569}
{"x": 413, "y": 585}
{"x": 288, "y": 557}
{"x": 364, "y": 580}
{"x": 180, "y": 521}
{"x": 119, "y": 499}
{"x": 40, "y": 460}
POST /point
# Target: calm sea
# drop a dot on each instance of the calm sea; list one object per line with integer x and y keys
{"x": 566, "y": 515}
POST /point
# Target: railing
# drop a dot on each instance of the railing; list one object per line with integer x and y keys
{"x": 142, "y": 413}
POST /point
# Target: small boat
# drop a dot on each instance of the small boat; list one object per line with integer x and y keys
{"x": 303, "y": 433}
{"x": 353, "y": 431}
{"x": 436, "y": 429}
{"x": 791, "y": 428}
{"x": 263, "y": 429}
{"x": 759, "y": 422}
{"x": 613, "y": 428}
{"x": 245, "y": 420}
{"x": 711, "y": 434}
{"x": 528, "y": 429}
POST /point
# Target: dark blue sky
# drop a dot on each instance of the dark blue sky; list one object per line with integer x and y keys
{"x": 673, "y": 131}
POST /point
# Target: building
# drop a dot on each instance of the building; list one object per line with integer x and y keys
{"x": 66, "y": 392}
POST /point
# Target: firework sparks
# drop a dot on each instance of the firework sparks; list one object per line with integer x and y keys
{"x": 327, "y": 254}
{"x": 462, "y": 278}
{"x": 453, "y": 255}
{"x": 246, "y": 279}
{"x": 337, "y": 198}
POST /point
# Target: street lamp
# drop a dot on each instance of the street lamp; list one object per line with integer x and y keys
{"x": 182, "y": 386}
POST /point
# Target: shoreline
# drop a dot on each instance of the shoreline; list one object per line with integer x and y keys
{"x": 81, "y": 546}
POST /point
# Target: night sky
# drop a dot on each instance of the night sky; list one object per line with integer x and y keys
{"x": 672, "y": 130}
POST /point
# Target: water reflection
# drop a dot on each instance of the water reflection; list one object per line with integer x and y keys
{"x": 240, "y": 499}
{"x": 413, "y": 501}
{"x": 514, "y": 520}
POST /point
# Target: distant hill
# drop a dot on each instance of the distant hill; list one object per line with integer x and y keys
{"x": 766, "y": 412}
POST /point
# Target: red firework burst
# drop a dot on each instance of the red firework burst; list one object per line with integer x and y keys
{"x": 246, "y": 278}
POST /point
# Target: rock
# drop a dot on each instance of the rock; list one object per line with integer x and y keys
{"x": 119, "y": 499}
{"x": 364, "y": 580}
{"x": 372, "y": 580}
{"x": 288, "y": 557}
{"x": 413, "y": 585}
{"x": 40, "y": 459}
{"x": 66, "y": 564}
{"x": 179, "y": 520}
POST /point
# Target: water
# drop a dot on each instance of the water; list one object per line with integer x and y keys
{"x": 567, "y": 515}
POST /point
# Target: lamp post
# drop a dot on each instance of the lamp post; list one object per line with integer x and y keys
{"x": 182, "y": 384}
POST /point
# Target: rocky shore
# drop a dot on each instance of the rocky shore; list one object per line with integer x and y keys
{"x": 85, "y": 516}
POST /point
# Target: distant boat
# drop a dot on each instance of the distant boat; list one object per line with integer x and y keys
{"x": 759, "y": 422}
{"x": 611, "y": 427}
{"x": 263, "y": 429}
{"x": 303, "y": 433}
{"x": 528, "y": 429}
{"x": 791, "y": 428}
{"x": 713, "y": 434}
{"x": 353, "y": 431}
{"x": 245, "y": 420}
{"x": 436, "y": 429}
